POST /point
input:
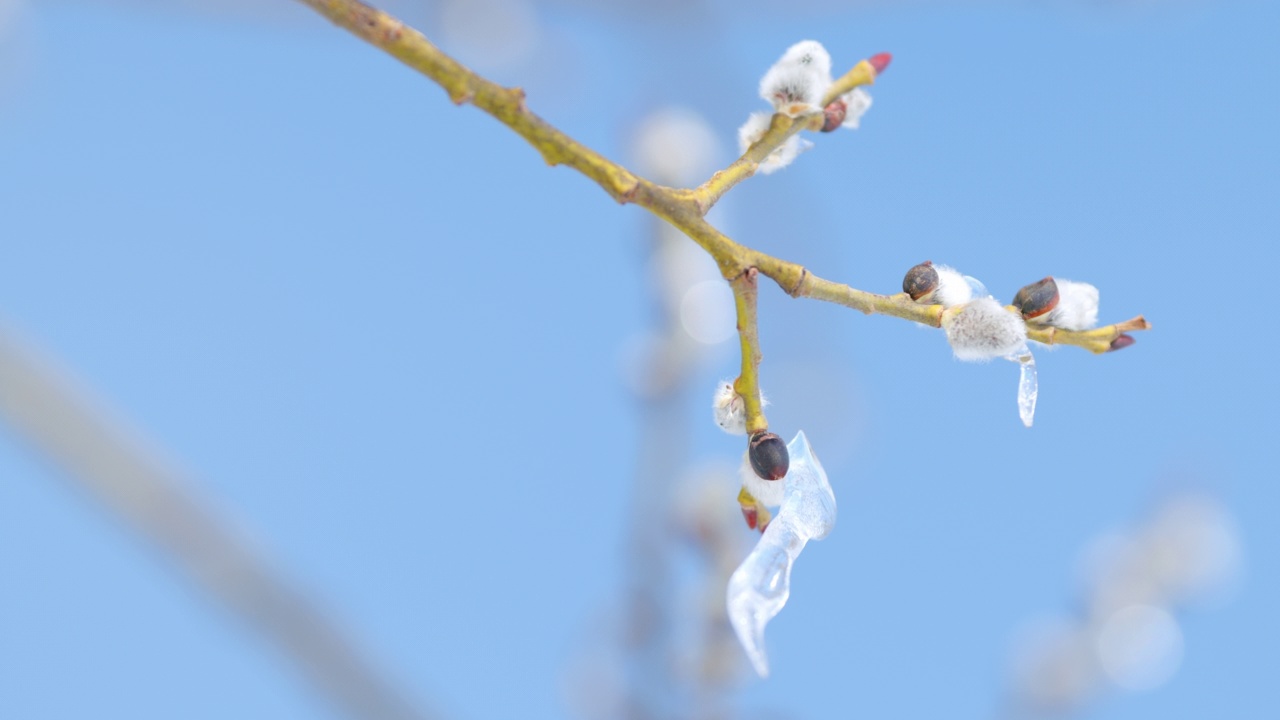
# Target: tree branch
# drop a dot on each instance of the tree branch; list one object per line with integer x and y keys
{"x": 748, "y": 384}
{"x": 683, "y": 208}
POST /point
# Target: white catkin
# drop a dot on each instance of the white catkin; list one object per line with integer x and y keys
{"x": 1077, "y": 306}
{"x": 952, "y": 288}
{"x": 982, "y": 330}
{"x": 797, "y": 81}
{"x": 857, "y": 102}
{"x": 751, "y": 132}
{"x": 729, "y": 409}
{"x": 766, "y": 492}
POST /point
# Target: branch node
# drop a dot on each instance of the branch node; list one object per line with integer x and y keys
{"x": 518, "y": 99}
{"x": 629, "y": 195}
{"x": 392, "y": 31}
{"x": 795, "y": 291}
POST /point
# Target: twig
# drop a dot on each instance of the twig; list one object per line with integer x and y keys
{"x": 681, "y": 207}
{"x": 155, "y": 502}
{"x": 747, "y": 385}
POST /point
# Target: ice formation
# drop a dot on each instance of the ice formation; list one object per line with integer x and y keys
{"x": 759, "y": 588}
{"x": 1028, "y": 384}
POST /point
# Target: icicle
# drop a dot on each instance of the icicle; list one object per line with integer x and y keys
{"x": 759, "y": 588}
{"x": 1028, "y": 384}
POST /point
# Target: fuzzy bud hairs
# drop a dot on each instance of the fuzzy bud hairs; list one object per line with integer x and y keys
{"x": 754, "y": 128}
{"x": 1077, "y": 306}
{"x": 796, "y": 83}
{"x": 766, "y": 492}
{"x": 857, "y": 102}
{"x": 730, "y": 410}
{"x": 982, "y": 329}
{"x": 930, "y": 284}
{"x": 1059, "y": 303}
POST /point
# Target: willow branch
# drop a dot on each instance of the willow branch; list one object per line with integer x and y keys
{"x": 745, "y": 291}
{"x": 864, "y": 73}
{"x": 464, "y": 86}
{"x": 1097, "y": 340}
{"x": 780, "y": 130}
{"x": 683, "y": 208}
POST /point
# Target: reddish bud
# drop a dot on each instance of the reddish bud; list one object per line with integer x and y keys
{"x": 1121, "y": 343}
{"x": 768, "y": 455}
{"x": 880, "y": 61}
{"x": 1037, "y": 299}
{"x": 833, "y": 115}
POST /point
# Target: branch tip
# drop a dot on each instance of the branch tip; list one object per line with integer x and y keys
{"x": 1121, "y": 342}
{"x": 880, "y": 61}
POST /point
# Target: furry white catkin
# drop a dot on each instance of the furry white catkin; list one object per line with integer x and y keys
{"x": 797, "y": 82}
{"x": 983, "y": 330}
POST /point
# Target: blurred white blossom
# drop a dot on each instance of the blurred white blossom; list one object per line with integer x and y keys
{"x": 1126, "y": 633}
{"x": 491, "y": 33}
{"x": 675, "y": 146}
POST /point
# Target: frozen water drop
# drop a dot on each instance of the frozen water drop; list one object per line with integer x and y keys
{"x": 976, "y": 287}
{"x": 1028, "y": 384}
{"x": 761, "y": 585}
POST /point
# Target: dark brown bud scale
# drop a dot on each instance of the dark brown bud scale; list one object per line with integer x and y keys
{"x": 834, "y": 114}
{"x": 768, "y": 455}
{"x": 1037, "y": 298}
{"x": 920, "y": 280}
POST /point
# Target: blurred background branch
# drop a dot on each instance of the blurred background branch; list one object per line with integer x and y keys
{"x": 157, "y": 502}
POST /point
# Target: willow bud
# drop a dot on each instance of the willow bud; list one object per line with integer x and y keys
{"x": 1121, "y": 342}
{"x": 834, "y": 114}
{"x": 1037, "y": 299}
{"x": 768, "y": 455}
{"x": 920, "y": 280}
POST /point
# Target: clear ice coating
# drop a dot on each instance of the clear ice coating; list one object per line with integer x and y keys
{"x": 1028, "y": 384}
{"x": 976, "y": 288}
{"x": 759, "y": 588}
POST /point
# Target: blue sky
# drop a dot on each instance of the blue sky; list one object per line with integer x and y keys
{"x": 383, "y": 339}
